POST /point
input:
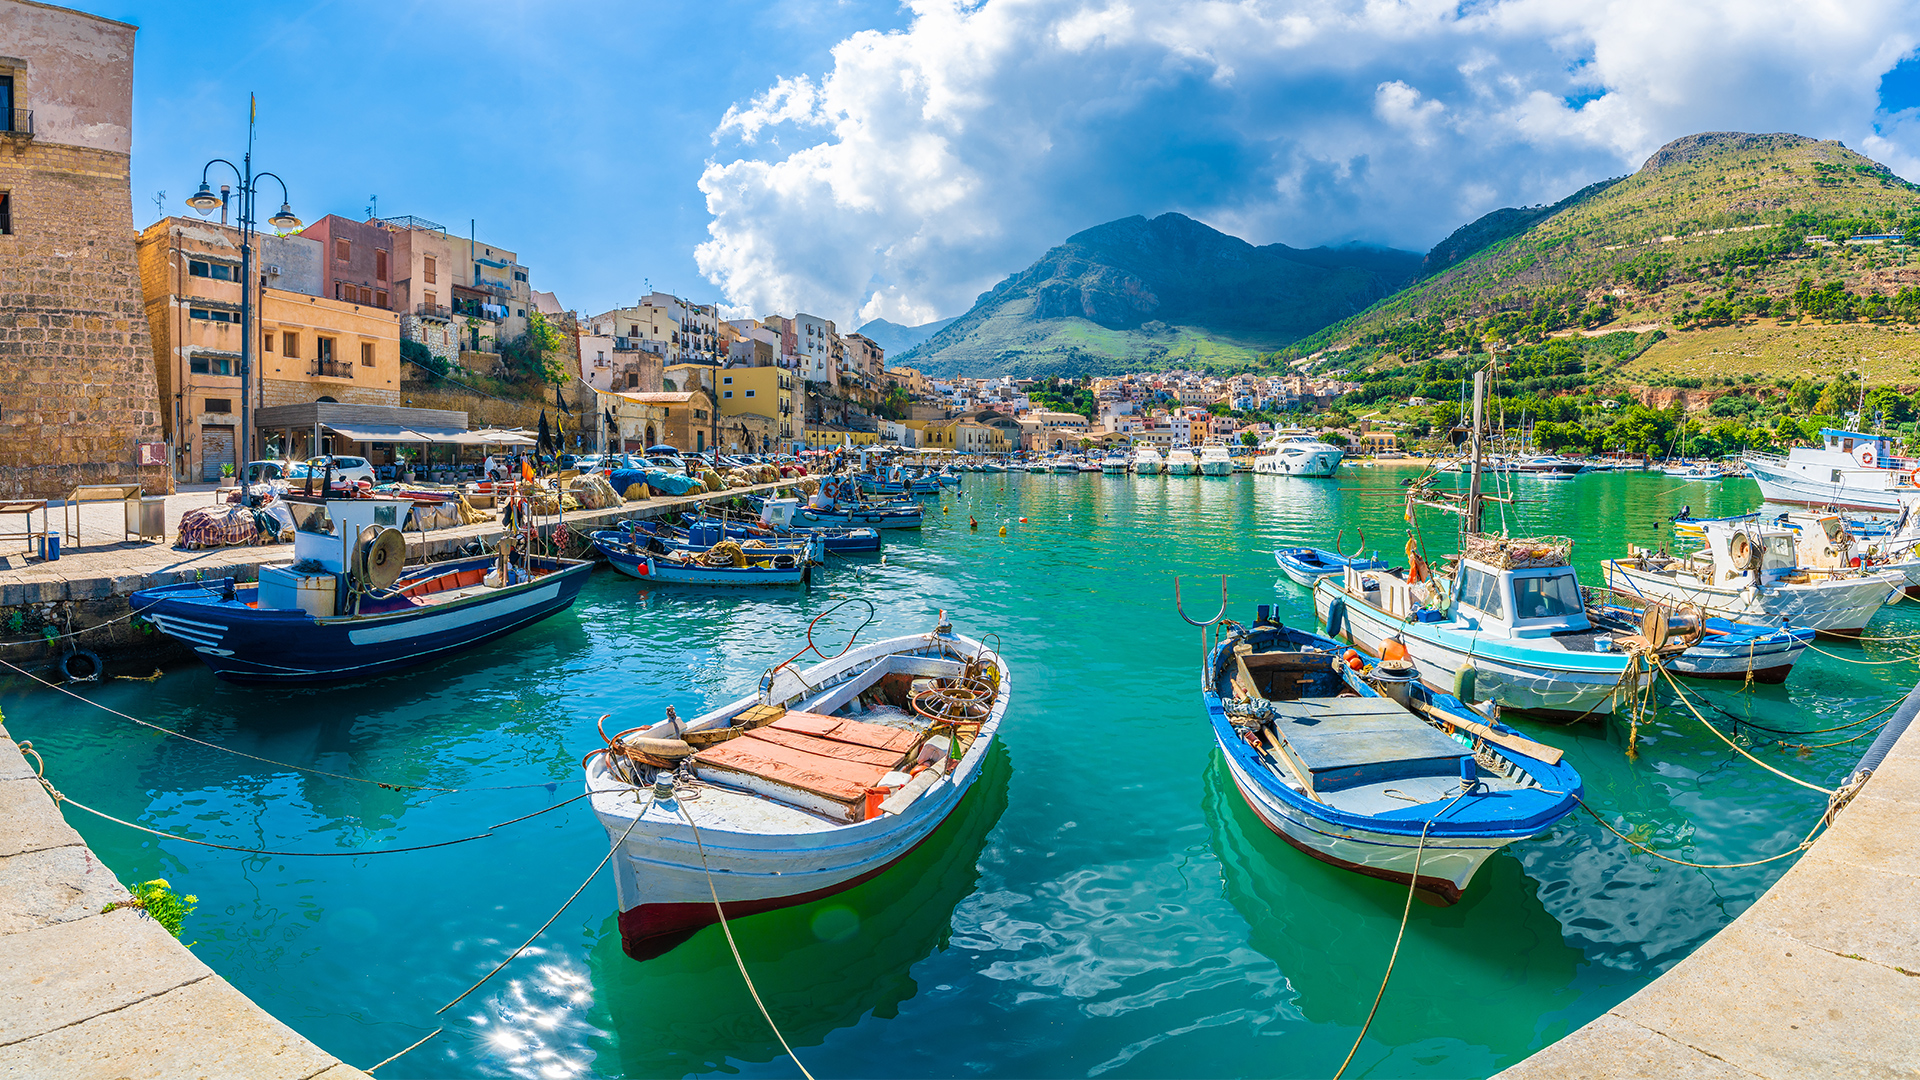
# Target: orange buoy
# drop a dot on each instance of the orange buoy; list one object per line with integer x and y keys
{"x": 1393, "y": 650}
{"x": 1023, "y": 521}
{"x": 1354, "y": 661}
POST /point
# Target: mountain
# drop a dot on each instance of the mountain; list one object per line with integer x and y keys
{"x": 895, "y": 338}
{"x": 1164, "y": 292}
{"x": 1718, "y": 229}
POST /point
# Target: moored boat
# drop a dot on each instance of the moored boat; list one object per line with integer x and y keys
{"x": 1297, "y": 454}
{"x": 1181, "y": 462}
{"x": 727, "y": 563}
{"x": 1215, "y": 461}
{"x": 1714, "y": 648}
{"x": 346, "y": 608}
{"x": 1147, "y": 461}
{"x": 1849, "y": 470}
{"x": 818, "y": 782}
{"x": 1369, "y": 770}
{"x": 1308, "y": 566}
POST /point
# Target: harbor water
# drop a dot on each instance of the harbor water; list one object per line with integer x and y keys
{"x": 1103, "y": 904}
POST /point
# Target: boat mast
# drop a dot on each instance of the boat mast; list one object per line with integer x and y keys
{"x": 1473, "y": 486}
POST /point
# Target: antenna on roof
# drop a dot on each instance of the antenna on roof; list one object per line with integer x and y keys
{"x": 160, "y": 202}
{"x": 373, "y": 207}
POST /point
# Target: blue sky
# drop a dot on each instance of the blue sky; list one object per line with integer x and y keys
{"x": 867, "y": 159}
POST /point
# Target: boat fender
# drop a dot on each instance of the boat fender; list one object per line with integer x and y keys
{"x": 1393, "y": 649}
{"x": 81, "y": 665}
{"x": 1463, "y": 685}
{"x": 1336, "y": 617}
{"x": 668, "y": 749}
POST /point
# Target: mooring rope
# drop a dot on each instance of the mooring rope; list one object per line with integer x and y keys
{"x": 1741, "y": 750}
{"x": 1863, "y": 663}
{"x": 720, "y": 910}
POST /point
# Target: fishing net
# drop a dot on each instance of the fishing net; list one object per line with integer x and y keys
{"x": 1519, "y": 552}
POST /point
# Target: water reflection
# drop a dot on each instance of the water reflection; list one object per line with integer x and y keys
{"x": 819, "y": 967}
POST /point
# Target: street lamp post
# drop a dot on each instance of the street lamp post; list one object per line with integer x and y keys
{"x": 206, "y": 201}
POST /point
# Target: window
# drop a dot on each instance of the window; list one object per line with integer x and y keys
{"x": 267, "y": 341}
{"x": 431, "y": 274}
{"x": 726, "y": 393}
{"x": 218, "y": 405}
{"x": 340, "y": 291}
{"x": 380, "y": 298}
{"x": 433, "y": 299}
{"x": 1546, "y": 597}
{"x": 324, "y": 350}
{"x": 342, "y": 250}
{"x": 196, "y": 268}
{"x": 380, "y": 266}
{"x": 366, "y": 295}
{"x": 749, "y": 393}
{"x": 290, "y": 346}
{"x": 519, "y": 275}
{"x": 216, "y": 271}
{"x": 225, "y": 273}
{"x": 6, "y": 212}
{"x": 210, "y": 365}
{"x": 213, "y": 316}
{"x": 633, "y": 380}
{"x": 1479, "y": 589}
{"x": 366, "y": 354}
{"x": 6, "y": 103}
{"x": 727, "y": 380}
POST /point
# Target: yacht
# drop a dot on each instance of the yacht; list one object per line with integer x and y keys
{"x": 1548, "y": 464}
{"x": 1066, "y": 464}
{"x": 1215, "y": 461}
{"x": 1148, "y": 462}
{"x": 1181, "y": 462}
{"x": 1849, "y": 470}
{"x": 1114, "y": 464}
{"x": 1297, "y": 455}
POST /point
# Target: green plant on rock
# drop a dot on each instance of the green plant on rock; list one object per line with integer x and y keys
{"x": 157, "y": 899}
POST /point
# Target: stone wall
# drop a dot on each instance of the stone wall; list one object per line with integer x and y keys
{"x": 287, "y": 392}
{"x": 77, "y": 390}
{"x": 438, "y": 335}
{"x": 492, "y": 412}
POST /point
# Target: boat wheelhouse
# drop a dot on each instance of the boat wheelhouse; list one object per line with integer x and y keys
{"x": 1849, "y": 470}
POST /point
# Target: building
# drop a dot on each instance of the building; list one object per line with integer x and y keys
{"x": 425, "y": 269}
{"x": 358, "y": 260}
{"x": 766, "y": 392}
{"x": 78, "y": 401}
{"x": 813, "y": 349}
{"x": 682, "y": 419}
{"x": 1379, "y": 442}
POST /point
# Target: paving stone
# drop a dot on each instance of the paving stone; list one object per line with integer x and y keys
{"x": 1874, "y": 833}
{"x": 1778, "y": 1007}
{"x": 13, "y": 766}
{"x": 1898, "y": 777}
{"x": 65, "y": 973}
{"x": 1611, "y": 1047}
{"x": 1846, "y": 910}
{"x": 31, "y": 823}
{"x": 206, "y": 1030}
{"x": 58, "y": 885}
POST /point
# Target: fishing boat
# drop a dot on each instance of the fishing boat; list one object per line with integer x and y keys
{"x": 1849, "y": 470}
{"x": 1749, "y": 571}
{"x": 1215, "y": 460}
{"x": 729, "y": 562}
{"x": 818, "y": 782}
{"x": 838, "y": 504}
{"x": 1714, "y": 648}
{"x": 677, "y": 538}
{"x": 776, "y": 521}
{"x": 1307, "y": 565}
{"x": 1364, "y": 768}
{"x": 1181, "y": 462}
{"x": 1147, "y": 461}
{"x": 347, "y": 608}
{"x": 1297, "y": 454}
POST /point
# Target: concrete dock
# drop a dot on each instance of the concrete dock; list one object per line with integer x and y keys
{"x": 1820, "y": 977}
{"x": 112, "y": 996}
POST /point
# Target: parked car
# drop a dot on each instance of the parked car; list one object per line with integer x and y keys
{"x": 666, "y": 464}
{"x": 350, "y": 469}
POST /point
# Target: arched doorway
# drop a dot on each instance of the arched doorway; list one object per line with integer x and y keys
{"x": 651, "y": 440}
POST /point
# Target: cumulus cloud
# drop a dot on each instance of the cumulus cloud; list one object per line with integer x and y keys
{"x": 930, "y": 162}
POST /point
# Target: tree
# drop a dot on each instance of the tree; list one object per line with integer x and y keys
{"x": 1248, "y": 438}
{"x": 415, "y": 352}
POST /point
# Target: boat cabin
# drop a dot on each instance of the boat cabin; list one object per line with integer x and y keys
{"x": 326, "y": 532}
{"x": 1822, "y": 541}
{"x": 1737, "y": 550}
{"x": 1866, "y": 451}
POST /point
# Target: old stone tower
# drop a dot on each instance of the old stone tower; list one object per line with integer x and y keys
{"x": 77, "y": 396}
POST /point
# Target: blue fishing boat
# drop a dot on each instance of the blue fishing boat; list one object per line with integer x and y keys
{"x": 728, "y": 563}
{"x": 776, "y": 520}
{"x": 1719, "y": 648}
{"x": 1308, "y": 565}
{"x": 675, "y": 538}
{"x": 1359, "y": 765}
{"x": 838, "y": 503}
{"x": 347, "y": 608}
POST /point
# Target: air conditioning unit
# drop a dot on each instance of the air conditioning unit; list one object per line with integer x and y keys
{"x": 273, "y": 270}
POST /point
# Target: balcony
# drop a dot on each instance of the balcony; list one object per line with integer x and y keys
{"x": 434, "y": 311}
{"x": 471, "y": 309}
{"x": 19, "y": 124}
{"x": 332, "y": 369}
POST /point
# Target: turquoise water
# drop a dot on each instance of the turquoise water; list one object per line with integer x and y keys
{"x": 1102, "y": 905}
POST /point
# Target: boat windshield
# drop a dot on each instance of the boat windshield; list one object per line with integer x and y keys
{"x": 1554, "y": 596}
{"x": 1479, "y": 589}
{"x": 311, "y": 517}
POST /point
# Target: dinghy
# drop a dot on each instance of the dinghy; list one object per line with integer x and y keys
{"x": 818, "y": 782}
{"x": 1307, "y": 566}
{"x": 1360, "y": 766}
{"x": 727, "y": 563}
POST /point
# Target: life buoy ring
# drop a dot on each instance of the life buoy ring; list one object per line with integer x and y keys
{"x": 1913, "y": 477}
{"x": 1866, "y": 457}
{"x": 81, "y": 665}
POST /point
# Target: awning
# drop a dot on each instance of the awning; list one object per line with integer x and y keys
{"x": 373, "y": 432}
{"x": 420, "y": 433}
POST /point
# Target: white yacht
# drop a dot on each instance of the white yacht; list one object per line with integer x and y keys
{"x": 1181, "y": 462}
{"x": 1215, "y": 460}
{"x": 1148, "y": 462}
{"x": 1849, "y": 470}
{"x": 1297, "y": 454}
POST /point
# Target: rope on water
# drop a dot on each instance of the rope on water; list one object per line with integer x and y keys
{"x": 720, "y": 910}
{"x": 1741, "y": 750}
{"x": 1795, "y": 850}
{"x": 1865, "y": 663}
{"x": 1413, "y": 882}
{"x": 549, "y": 785}
{"x": 408, "y": 1050}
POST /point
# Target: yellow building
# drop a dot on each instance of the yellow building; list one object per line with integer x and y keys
{"x": 765, "y": 391}
{"x": 317, "y": 349}
{"x": 1379, "y": 442}
{"x": 824, "y": 437}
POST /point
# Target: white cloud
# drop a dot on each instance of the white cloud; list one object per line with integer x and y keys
{"x": 927, "y": 164}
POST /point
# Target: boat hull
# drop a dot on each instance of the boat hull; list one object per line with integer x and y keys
{"x": 1780, "y": 485}
{"x": 647, "y": 567}
{"x": 1502, "y": 673}
{"x": 1830, "y": 610}
{"x": 1146, "y": 468}
{"x": 855, "y": 519}
{"x": 247, "y": 645}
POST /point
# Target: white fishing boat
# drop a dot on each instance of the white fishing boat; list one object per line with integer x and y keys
{"x": 1215, "y": 460}
{"x": 1147, "y": 461}
{"x": 1297, "y": 454}
{"x": 1750, "y": 571}
{"x": 1181, "y": 462}
{"x": 818, "y": 782}
{"x": 1849, "y": 470}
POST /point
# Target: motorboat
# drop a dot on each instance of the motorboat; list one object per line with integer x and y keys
{"x": 1181, "y": 462}
{"x": 1307, "y": 566}
{"x": 1849, "y": 470}
{"x": 1548, "y": 465}
{"x": 1147, "y": 461}
{"x": 1066, "y": 464}
{"x": 1215, "y": 460}
{"x": 819, "y": 781}
{"x": 1749, "y": 571}
{"x": 347, "y": 607}
{"x": 1363, "y": 767}
{"x": 1114, "y": 464}
{"x": 1297, "y": 455}
{"x": 649, "y": 557}
{"x": 1698, "y": 470}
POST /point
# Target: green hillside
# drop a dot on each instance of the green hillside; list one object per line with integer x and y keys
{"x": 1170, "y": 292}
{"x": 1718, "y": 229}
